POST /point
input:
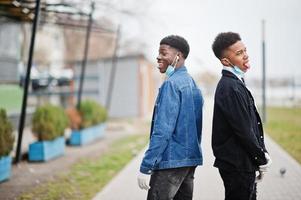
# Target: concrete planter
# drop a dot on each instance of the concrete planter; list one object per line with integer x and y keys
{"x": 5, "y": 168}
{"x": 46, "y": 150}
{"x": 87, "y": 135}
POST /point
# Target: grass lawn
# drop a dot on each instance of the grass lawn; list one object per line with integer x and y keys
{"x": 284, "y": 126}
{"x": 11, "y": 97}
{"x": 87, "y": 177}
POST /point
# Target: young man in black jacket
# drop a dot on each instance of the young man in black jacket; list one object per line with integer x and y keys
{"x": 237, "y": 133}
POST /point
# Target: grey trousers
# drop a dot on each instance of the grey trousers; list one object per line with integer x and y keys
{"x": 172, "y": 184}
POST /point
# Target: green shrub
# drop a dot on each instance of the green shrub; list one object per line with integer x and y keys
{"x": 92, "y": 113}
{"x": 49, "y": 122}
{"x": 6, "y": 134}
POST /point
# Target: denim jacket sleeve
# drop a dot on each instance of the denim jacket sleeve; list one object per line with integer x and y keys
{"x": 165, "y": 118}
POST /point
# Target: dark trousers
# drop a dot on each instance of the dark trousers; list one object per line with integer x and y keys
{"x": 172, "y": 184}
{"x": 239, "y": 185}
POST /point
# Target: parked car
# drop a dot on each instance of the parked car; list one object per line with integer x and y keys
{"x": 45, "y": 79}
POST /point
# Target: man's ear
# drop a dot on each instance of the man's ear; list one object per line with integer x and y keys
{"x": 180, "y": 55}
{"x": 225, "y": 62}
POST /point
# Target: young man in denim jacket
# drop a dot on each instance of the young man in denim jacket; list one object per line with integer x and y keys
{"x": 174, "y": 150}
{"x": 237, "y": 133}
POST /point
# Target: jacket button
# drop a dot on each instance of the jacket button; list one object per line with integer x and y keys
{"x": 258, "y": 123}
{"x": 261, "y": 137}
{"x": 255, "y": 158}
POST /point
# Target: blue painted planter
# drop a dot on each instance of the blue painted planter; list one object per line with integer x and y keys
{"x": 46, "y": 150}
{"x": 5, "y": 168}
{"x": 87, "y": 135}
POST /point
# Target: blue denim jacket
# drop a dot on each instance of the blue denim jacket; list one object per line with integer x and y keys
{"x": 176, "y": 128}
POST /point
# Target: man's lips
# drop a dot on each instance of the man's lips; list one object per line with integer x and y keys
{"x": 160, "y": 65}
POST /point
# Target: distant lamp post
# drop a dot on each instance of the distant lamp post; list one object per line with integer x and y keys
{"x": 113, "y": 70}
{"x": 263, "y": 74}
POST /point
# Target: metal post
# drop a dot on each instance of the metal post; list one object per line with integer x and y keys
{"x": 293, "y": 90}
{"x": 113, "y": 71}
{"x": 263, "y": 74}
{"x": 27, "y": 79}
{"x": 84, "y": 63}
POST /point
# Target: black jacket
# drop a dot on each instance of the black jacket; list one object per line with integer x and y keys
{"x": 237, "y": 133}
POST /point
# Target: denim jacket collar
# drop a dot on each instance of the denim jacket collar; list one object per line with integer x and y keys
{"x": 182, "y": 68}
{"x": 179, "y": 69}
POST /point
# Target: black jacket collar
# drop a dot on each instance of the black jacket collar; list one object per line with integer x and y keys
{"x": 229, "y": 74}
{"x": 226, "y": 73}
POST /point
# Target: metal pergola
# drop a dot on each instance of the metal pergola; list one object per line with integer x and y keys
{"x": 55, "y": 13}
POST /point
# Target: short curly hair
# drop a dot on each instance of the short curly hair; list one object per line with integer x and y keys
{"x": 178, "y": 43}
{"x": 223, "y": 41}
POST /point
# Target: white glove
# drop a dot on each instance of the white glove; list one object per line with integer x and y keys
{"x": 143, "y": 181}
{"x": 264, "y": 168}
{"x": 259, "y": 177}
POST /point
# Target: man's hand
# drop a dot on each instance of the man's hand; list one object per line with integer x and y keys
{"x": 264, "y": 168}
{"x": 259, "y": 177}
{"x": 143, "y": 181}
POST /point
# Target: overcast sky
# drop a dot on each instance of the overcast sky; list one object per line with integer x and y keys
{"x": 199, "y": 21}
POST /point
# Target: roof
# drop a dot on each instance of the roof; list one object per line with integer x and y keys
{"x": 70, "y": 14}
{"x": 15, "y": 10}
